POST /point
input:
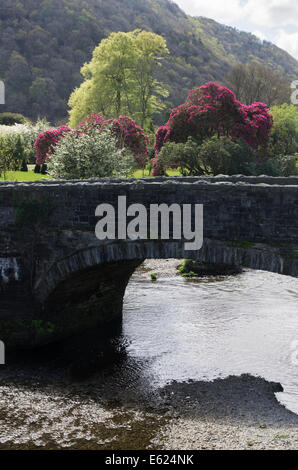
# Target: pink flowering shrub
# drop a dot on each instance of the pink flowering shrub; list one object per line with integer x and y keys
{"x": 93, "y": 121}
{"x": 213, "y": 110}
{"x": 127, "y": 134}
{"x": 46, "y": 141}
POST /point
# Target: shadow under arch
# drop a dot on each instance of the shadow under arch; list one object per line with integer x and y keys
{"x": 86, "y": 289}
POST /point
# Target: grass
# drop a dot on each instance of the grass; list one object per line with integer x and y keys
{"x": 31, "y": 176}
{"x": 23, "y": 176}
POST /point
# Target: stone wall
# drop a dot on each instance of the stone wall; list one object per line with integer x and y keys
{"x": 235, "y": 208}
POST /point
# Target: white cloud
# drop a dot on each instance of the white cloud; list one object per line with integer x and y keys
{"x": 269, "y": 13}
{"x": 260, "y": 35}
{"x": 274, "y": 20}
{"x": 224, "y": 12}
{"x": 289, "y": 42}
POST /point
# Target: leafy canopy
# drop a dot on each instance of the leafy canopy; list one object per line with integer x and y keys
{"x": 121, "y": 78}
{"x": 284, "y": 134}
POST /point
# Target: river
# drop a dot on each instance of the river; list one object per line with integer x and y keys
{"x": 175, "y": 329}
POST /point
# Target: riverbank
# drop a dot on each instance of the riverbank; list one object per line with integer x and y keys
{"x": 232, "y": 413}
{"x": 236, "y": 413}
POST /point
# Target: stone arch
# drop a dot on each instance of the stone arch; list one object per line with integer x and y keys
{"x": 87, "y": 288}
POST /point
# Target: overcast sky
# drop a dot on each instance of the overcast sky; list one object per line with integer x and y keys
{"x": 274, "y": 20}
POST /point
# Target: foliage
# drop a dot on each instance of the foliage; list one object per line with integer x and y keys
{"x": 12, "y": 153}
{"x": 255, "y": 82}
{"x": 284, "y": 134}
{"x": 283, "y": 165}
{"x": 5, "y": 156}
{"x": 46, "y": 141}
{"x": 126, "y": 132}
{"x": 182, "y": 156}
{"x": 80, "y": 155}
{"x": 212, "y": 110}
{"x": 43, "y": 45}
{"x": 185, "y": 269}
{"x": 225, "y": 156}
{"x": 9, "y": 119}
{"x": 28, "y": 133}
{"x": 121, "y": 78}
{"x": 221, "y": 155}
{"x": 216, "y": 155}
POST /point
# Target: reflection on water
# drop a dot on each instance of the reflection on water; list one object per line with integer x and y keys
{"x": 214, "y": 327}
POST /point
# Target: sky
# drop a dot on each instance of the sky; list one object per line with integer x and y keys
{"x": 273, "y": 20}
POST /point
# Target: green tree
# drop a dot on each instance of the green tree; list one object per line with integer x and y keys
{"x": 256, "y": 82}
{"x": 284, "y": 134}
{"x": 149, "y": 52}
{"x": 121, "y": 78}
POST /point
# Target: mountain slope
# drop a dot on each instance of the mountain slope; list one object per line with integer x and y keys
{"x": 43, "y": 44}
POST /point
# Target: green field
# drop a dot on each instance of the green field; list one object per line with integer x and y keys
{"x": 23, "y": 176}
{"x": 31, "y": 176}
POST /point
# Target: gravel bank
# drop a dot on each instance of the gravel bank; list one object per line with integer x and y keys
{"x": 232, "y": 413}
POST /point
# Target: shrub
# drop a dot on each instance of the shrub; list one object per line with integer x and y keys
{"x": 18, "y": 152}
{"x": 214, "y": 156}
{"x": 9, "y": 119}
{"x": 278, "y": 166}
{"x": 12, "y": 153}
{"x": 5, "y": 156}
{"x": 46, "y": 141}
{"x": 28, "y": 133}
{"x": 212, "y": 110}
{"x": 81, "y": 155}
{"x": 126, "y": 132}
{"x": 225, "y": 156}
{"x": 182, "y": 156}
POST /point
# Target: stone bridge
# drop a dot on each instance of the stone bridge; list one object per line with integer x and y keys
{"x": 57, "y": 278}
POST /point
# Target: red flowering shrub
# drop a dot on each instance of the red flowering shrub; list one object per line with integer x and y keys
{"x": 213, "y": 110}
{"x": 46, "y": 141}
{"x": 92, "y": 121}
{"x": 127, "y": 133}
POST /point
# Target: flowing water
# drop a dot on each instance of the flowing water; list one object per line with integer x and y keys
{"x": 214, "y": 327}
{"x": 174, "y": 329}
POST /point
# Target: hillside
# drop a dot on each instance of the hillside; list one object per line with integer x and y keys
{"x": 44, "y": 43}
